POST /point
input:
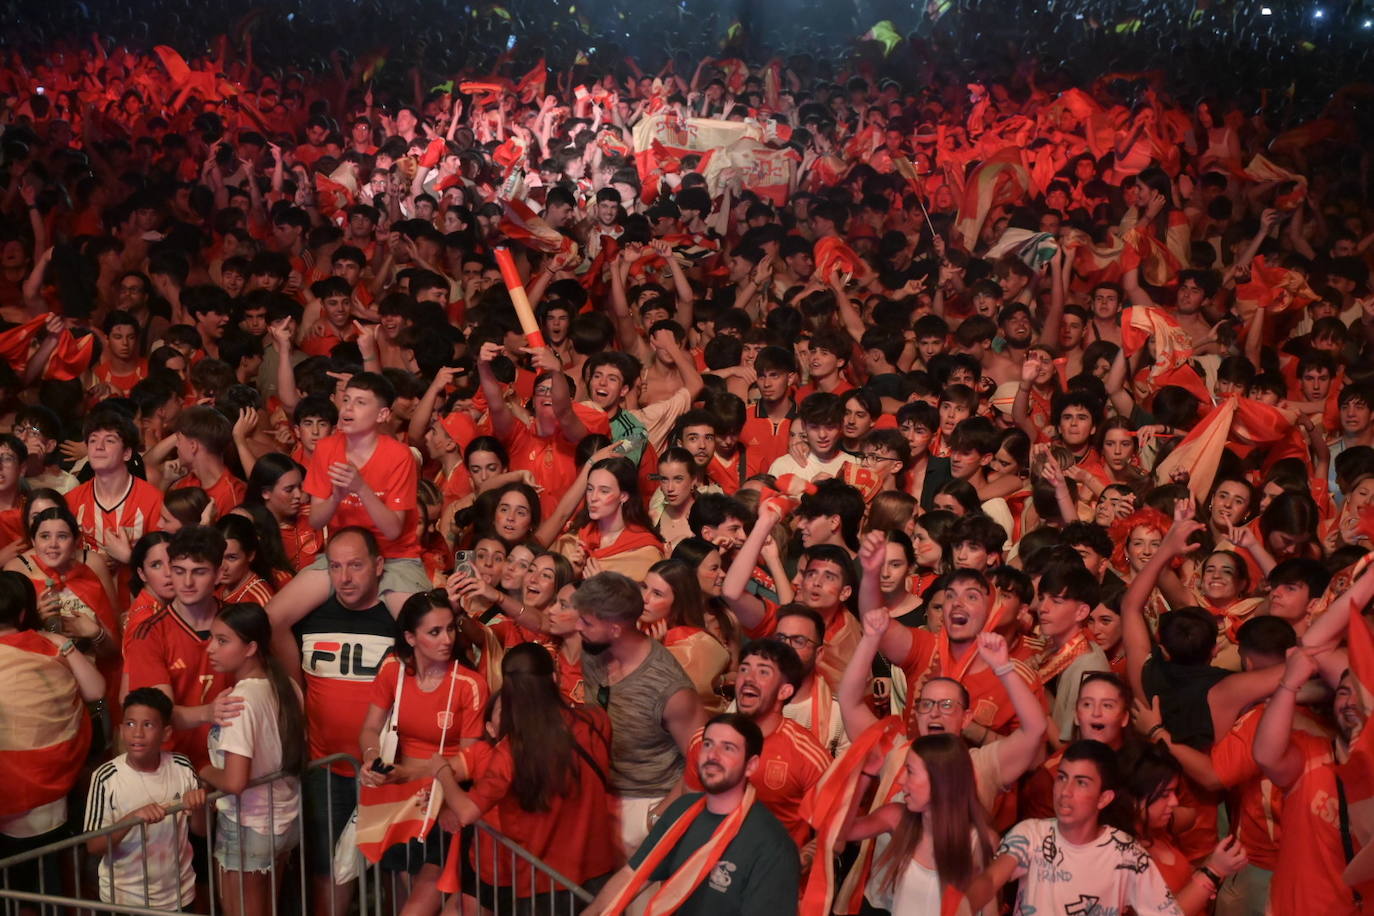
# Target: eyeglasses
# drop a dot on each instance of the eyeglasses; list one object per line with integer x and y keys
{"x": 924, "y": 705}
{"x": 796, "y": 640}
{"x": 7, "y": 458}
{"x": 872, "y": 457}
{"x": 27, "y": 430}
{"x": 544, "y": 390}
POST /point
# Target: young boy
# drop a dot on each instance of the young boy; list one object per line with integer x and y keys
{"x": 313, "y": 420}
{"x": 822, "y": 416}
{"x": 1073, "y": 862}
{"x": 1067, "y": 596}
{"x": 202, "y": 436}
{"x": 828, "y": 356}
{"x": 956, "y": 404}
{"x": 359, "y": 477}
{"x": 148, "y": 866}
{"x": 333, "y": 323}
{"x": 114, "y": 508}
{"x": 769, "y": 423}
{"x": 41, "y": 430}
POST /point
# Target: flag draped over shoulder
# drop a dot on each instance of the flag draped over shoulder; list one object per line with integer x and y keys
{"x": 1240, "y": 424}
{"x": 1158, "y": 262}
{"x": 999, "y": 180}
{"x": 1172, "y": 349}
{"x": 46, "y": 737}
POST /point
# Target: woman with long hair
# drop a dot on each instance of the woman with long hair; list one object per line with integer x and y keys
{"x": 544, "y": 782}
{"x": 675, "y": 615}
{"x": 150, "y": 579}
{"x": 1228, "y": 507}
{"x": 275, "y": 485}
{"x": 678, "y": 478}
{"x": 1153, "y": 781}
{"x": 438, "y": 702}
{"x": 257, "y": 826}
{"x": 705, "y": 558}
{"x": 899, "y": 561}
{"x": 243, "y": 574}
{"x": 1223, "y": 589}
{"x": 613, "y": 530}
{"x": 940, "y": 838}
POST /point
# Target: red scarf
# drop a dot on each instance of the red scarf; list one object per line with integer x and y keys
{"x": 680, "y": 885}
{"x": 1058, "y": 661}
{"x": 631, "y": 538}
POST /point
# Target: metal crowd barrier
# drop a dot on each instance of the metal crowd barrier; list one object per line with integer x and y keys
{"x": 497, "y": 858}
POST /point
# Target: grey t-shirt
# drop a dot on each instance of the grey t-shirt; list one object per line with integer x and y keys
{"x": 645, "y": 761}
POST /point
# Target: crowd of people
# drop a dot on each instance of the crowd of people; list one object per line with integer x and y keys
{"x": 894, "y": 498}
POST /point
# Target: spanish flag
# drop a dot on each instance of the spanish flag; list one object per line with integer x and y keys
{"x": 396, "y": 813}
{"x": 1000, "y": 180}
{"x": 45, "y": 739}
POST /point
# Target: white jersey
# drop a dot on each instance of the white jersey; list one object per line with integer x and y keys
{"x": 117, "y": 790}
{"x": 1098, "y": 878}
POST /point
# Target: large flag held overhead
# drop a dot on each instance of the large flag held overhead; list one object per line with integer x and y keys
{"x": 998, "y": 181}
{"x": 1172, "y": 349}
{"x": 1240, "y": 424}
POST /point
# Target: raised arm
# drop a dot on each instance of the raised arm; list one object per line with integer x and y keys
{"x": 749, "y": 608}
{"x": 896, "y": 641}
{"x": 1135, "y": 632}
{"x": 1278, "y": 757}
{"x": 1017, "y": 752}
{"x": 502, "y": 420}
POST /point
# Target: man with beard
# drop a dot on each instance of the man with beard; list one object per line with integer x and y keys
{"x": 1315, "y": 843}
{"x": 653, "y": 706}
{"x": 813, "y": 706}
{"x": 717, "y": 853}
{"x": 826, "y": 588}
{"x": 792, "y": 760}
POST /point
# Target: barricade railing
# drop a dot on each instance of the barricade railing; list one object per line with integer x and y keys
{"x": 506, "y": 879}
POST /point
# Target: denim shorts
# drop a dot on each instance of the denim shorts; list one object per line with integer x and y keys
{"x": 258, "y": 850}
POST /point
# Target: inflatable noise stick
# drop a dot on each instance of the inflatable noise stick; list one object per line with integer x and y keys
{"x": 516, "y": 286}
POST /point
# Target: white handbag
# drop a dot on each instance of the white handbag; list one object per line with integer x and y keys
{"x": 348, "y": 862}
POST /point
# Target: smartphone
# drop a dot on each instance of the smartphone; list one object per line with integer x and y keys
{"x": 462, "y": 563}
{"x": 383, "y": 768}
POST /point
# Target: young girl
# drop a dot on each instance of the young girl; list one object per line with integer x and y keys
{"x": 244, "y": 576}
{"x": 898, "y": 562}
{"x": 613, "y": 529}
{"x": 258, "y": 825}
{"x": 151, "y": 581}
{"x": 1103, "y": 714}
{"x": 275, "y": 483}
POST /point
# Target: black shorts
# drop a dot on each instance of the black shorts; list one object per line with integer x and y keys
{"x": 328, "y": 801}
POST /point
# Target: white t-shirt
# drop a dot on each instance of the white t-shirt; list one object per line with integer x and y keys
{"x": 788, "y": 465}
{"x": 117, "y": 790}
{"x": 254, "y": 735}
{"x": 1102, "y": 876}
